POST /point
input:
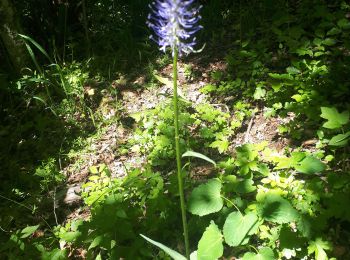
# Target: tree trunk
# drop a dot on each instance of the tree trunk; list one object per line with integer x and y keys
{"x": 10, "y": 27}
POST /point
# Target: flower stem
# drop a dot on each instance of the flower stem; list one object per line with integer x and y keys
{"x": 178, "y": 157}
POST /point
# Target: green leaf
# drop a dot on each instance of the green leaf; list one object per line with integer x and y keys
{"x": 333, "y": 31}
{"x": 198, "y": 155}
{"x": 329, "y": 42}
{"x": 310, "y": 165}
{"x": 210, "y": 245}
{"x": 93, "y": 169}
{"x": 70, "y": 236}
{"x": 318, "y": 247}
{"x": 56, "y": 254}
{"x": 293, "y": 70}
{"x": 344, "y": 24}
{"x": 265, "y": 253}
{"x": 26, "y": 232}
{"x": 238, "y": 228}
{"x": 259, "y": 93}
{"x": 340, "y": 140}
{"x": 221, "y": 145}
{"x": 37, "y": 45}
{"x": 276, "y": 209}
{"x": 206, "y": 198}
{"x": 164, "y": 81}
{"x": 96, "y": 242}
{"x": 335, "y": 119}
{"x": 244, "y": 186}
{"x": 175, "y": 255}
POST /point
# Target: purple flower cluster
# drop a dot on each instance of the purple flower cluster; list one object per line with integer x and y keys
{"x": 174, "y": 22}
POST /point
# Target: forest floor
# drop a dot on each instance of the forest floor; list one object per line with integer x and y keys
{"x": 103, "y": 148}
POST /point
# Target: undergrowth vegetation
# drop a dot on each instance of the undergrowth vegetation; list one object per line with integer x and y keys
{"x": 88, "y": 161}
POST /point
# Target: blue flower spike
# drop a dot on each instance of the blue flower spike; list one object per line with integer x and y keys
{"x": 174, "y": 23}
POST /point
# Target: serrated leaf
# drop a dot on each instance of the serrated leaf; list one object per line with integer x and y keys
{"x": 221, "y": 145}
{"x": 238, "y": 228}
{"x": 175, "y": 255}
{"x": 26, "y": 232}
{"x": 210, "y": 245}
{"x": 310, "y": 165}
{"x": 198, "y": 155}
{"x": 276, "y": 209}
{"x": 335, "y": 119}
{"x": 318, "y": 247}
{"x": 206, "y": 198}
{"x": 265, "y": 253}
{"x": 259, "y": 93}
{"x": 340, "y": 139}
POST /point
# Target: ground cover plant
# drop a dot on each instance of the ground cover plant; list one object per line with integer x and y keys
{"x": 111, "y": 149}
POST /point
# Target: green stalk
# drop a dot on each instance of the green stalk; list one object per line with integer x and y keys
{"x": 178, "y": 157}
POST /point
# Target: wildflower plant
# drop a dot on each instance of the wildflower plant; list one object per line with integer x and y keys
{"x": 174, "y": 23}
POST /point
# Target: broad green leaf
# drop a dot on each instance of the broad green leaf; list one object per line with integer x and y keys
{"x": 318, "y": 247}
{"x": 198, "y": 155}
{"x": 329, "y": 42}
{"x": 293, "y": 70}
{"x": 335, "y": 119}
{"x": 26, "y": 232}
{"x": 333, "y": 31}
{"x": 304, "y": 224}
{"x": 175, "y": 255}
{"x": 276, "y": 209}
{"x": 244, "y": 186}
{"x": 264, "y": 253}
{"x": 344, "y": 24}
{"x": 206, "y": 198}
{"x": 96, "y": 242}
{"x": 55, "y": 254}
{"x": 310, "y": 165}
{"x": 281, "y": 76}
{"x": 210, "y": 245}
{"x": 238, "y": 228}
{"x": 70, "y": 236}
{"x": 340, "y": 139}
